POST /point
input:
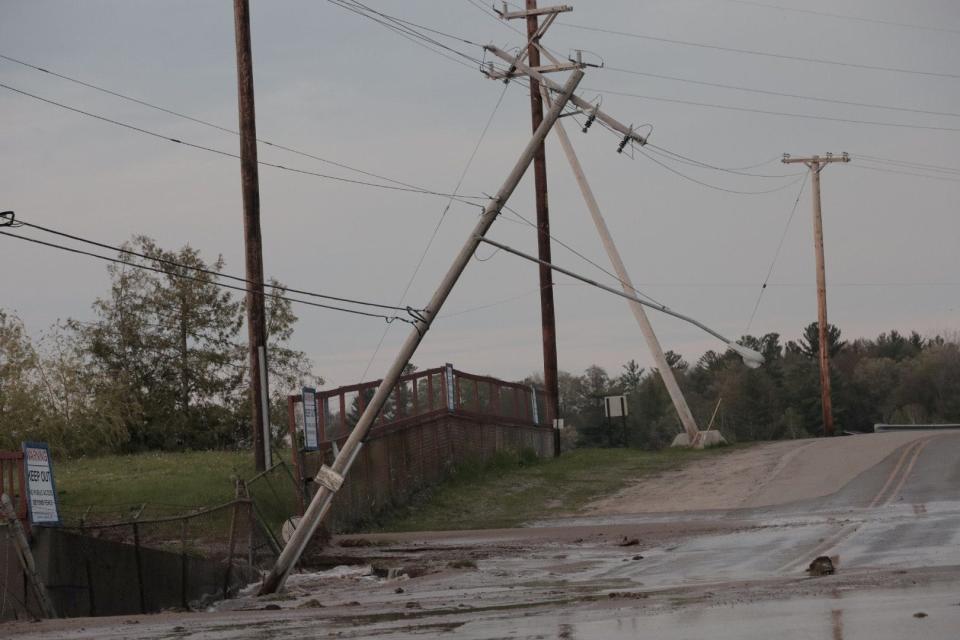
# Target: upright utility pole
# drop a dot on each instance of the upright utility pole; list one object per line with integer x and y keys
{"x": 816, "y": 165}
{"x": 548, "y": 319}
{"x": 256, "y": 311}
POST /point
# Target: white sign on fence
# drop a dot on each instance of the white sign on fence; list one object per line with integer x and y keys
{"x": 614, "y": 406}
{"x": 311, "y": 423}
{"x": 41, "y": 490}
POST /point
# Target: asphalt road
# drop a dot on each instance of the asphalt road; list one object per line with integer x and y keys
{"x": 892, "y": 530}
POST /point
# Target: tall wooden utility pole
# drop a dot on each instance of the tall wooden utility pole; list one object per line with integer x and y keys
{"x": 548, "y": 318}
{"x": 816, "y": 165}
{"x": 256, "y": 311}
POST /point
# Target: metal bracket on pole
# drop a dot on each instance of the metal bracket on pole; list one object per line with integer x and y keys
{"x": 329, "y": 478}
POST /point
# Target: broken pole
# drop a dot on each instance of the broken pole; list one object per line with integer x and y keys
{"x": 330, "y": 479}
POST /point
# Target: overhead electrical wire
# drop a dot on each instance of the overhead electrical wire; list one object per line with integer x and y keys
{"x": 776, "y": 255}
{"x": 909, "y": 164}
{"x": 228, "y": 154}
{"x": 19, "y": 222}
{"x": 436, "y": 228}
{"x": 767, "y": 92}
{"x": 713, "y": 186}
{"x": 206, "y": 123}
{"x": 404, "y": 29}
{"x": 943, "y": 178}
{"x": 705, "y": 165}
{"x": 388, "y": 318}
{"x": 839, "y": 16}
{"x": 787, "y": 114}
{"x": 768, "y": 54}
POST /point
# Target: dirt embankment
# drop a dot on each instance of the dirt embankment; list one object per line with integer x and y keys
{"x": 763, "y": 475}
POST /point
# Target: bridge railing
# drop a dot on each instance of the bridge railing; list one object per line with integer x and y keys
{"x": 423, "y": 394}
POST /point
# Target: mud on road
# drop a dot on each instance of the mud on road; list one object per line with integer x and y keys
{"x": 736, "y": 567}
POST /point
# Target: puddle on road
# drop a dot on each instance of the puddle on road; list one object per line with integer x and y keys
{"x": 878, "y": 615}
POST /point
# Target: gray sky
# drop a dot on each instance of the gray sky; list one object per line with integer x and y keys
{"x": 342, "y": 87}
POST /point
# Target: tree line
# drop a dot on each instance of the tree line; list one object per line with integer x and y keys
{"x": 163, "y": 364}
{"x": 894, "y": 378}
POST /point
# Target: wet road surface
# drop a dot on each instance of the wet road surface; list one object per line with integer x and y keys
{"x": 892, "y": 532}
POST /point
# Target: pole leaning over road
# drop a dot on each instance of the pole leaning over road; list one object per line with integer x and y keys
{"x": 331, "y": 478}
{"x": 253, "y": 248}
{"x": 816, "y": 165}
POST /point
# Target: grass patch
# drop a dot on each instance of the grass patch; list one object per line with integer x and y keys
{"x": 507, "y": 493}
{"x": 111, "y": 487}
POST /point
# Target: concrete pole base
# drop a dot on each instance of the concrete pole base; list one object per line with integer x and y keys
{"x": 703, "y": 440}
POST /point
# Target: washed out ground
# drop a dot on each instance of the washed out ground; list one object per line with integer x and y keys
{"x": 884, "y": 507}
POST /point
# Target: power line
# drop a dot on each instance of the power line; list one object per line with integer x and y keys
{"x": 436, "y": 228}
{"x": 205, "y": 123}
{"x": 776, "y": 254}
{"x": 402, "y": 28}
{"x": 388, "y": 318}
{"x": 673, "y": 155}
{"x": 890, "y": 23}
{"x": 713, "y": 186}
{"x": 786, "y": 114}
{"x": 907, "y": 173}
{"x": 583, "y": 257}
{"x": 780, "y": 56}
{"x": 217, "y": 274}
{"x": 462, "y": 199}
{"x": 910, "y": 164}
{"x": 783, "y": 94}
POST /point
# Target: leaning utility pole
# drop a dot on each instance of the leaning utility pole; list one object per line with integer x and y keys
{"x": 329, "y": 479}
{"x": 536, "y": 73}
{"x": 548, "y": 319}
{"x": 816, "y": 165}
{"x": 653, "y": 344}
{"x": 256, "y": 311}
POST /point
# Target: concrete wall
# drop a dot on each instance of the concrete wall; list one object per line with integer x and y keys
{"x": 396, "y": 462}
{"x": 89, "y": 576}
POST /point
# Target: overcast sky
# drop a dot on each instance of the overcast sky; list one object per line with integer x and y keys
{"x": 340, "y": 86}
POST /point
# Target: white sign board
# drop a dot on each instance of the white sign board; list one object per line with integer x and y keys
{"x": 614, "y": 406}
{"x": 41, "y": 490}
{"x": 311, "y": 422}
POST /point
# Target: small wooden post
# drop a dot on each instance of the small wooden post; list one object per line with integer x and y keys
{"x": 184, "y": 587}
{"x": 26, "y": 558}
{"x": 139, "y": 562}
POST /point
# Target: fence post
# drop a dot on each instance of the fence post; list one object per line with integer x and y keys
{"x": 295, "y": 450}
{"x": 533, "y": 399}
{"x": 184, "y": 598}
{"x": 232, "y": 544}
{"x": 26, "y": 558}
{"x": 139, "y": 562}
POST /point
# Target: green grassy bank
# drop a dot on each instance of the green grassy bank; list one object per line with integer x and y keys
{"x": 508, "y": 492}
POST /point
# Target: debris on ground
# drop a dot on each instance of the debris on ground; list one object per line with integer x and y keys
{"x": 629, "y": 542}
{"x": 821, "y": 566}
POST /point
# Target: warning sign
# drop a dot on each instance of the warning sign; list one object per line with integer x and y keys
{"x": 41, "y": 490}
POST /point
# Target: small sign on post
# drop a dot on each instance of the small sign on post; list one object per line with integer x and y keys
{"x": 42, "y": 501}
{"x": 614, "y": 406}
{"x": 311, "y": 423}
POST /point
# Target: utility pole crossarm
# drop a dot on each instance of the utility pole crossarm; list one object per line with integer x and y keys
{"x": 628, "y": 132}
{"x": 526, "y": 13}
